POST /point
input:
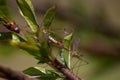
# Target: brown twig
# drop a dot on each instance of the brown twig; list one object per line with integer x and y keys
{"x": 64, "y": 70}
{"x": 10, "y": 74}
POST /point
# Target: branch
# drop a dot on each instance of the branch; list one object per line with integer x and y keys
{"x": 10, "y": 74}
{"x": 64, "y": 70}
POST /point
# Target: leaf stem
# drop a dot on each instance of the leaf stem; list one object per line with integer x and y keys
{"x": 10, "y": 74}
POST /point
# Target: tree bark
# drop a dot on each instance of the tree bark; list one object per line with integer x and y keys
{"x": 10, "y": 74}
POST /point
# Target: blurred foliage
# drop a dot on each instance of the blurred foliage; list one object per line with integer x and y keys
{"x": 6, "y": 50}
{"x": 4, "y": 7}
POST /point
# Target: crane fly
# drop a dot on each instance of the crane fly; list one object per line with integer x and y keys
{"x": 75, "y": 43}
{"x": 8, "y": 23}
{"x": 76, "y": 57}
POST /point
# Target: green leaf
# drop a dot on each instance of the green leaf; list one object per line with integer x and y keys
{"x": 48, "y": 18}
{"x": 5, "y": 35}
{"x": 41, "y": 73}
{"x": 4, "y": 9}
{"x": 31, "y": 49}
{"x": 19, "y": 42}
{"x": 45, "y": 52}
{"x": 45, "y": 49}
{"x": 27, "y": 12}
{"x": 40, "y": 53}
{"x": 65, "y": 55}
{"x": 68, "y": 37}
{"x": 17, "y": 38}
{"x": 30, "y": 38}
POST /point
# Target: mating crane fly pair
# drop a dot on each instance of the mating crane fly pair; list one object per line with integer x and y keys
{"x": 10, "y": 25}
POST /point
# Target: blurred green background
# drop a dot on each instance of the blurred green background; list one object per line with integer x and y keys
{"x": 95, "y": 22}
